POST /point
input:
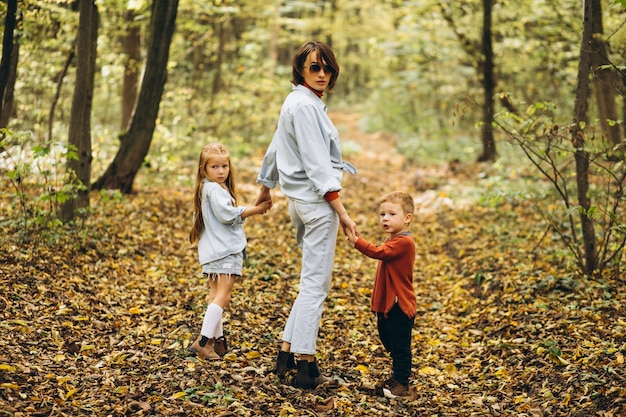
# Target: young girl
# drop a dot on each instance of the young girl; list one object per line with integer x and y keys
{"x": 218, "y": 231}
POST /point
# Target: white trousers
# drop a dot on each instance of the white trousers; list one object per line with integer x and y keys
{"x": 316, "y": 225}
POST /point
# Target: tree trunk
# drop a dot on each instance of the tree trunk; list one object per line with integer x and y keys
{"x": 59, "y": 85}
{"x": 132, "y": 60}
{"x": 79, "y": 170}
{"x": 606, "y": 79}
{"x": 221, "y": 41}
{"x": 489, "y": 144}
{"x": 7, "y": 50}
{"x": 624, "y": 104}
{"x": 8, "y": 106}
{"x": 135, "y": 142}
{"x": 581, "y": 156}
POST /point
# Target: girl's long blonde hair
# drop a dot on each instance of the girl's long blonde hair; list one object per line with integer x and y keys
{"x": 212, "y": 149}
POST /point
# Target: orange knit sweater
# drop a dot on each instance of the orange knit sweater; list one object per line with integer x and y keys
{"x": 394, "y": 274}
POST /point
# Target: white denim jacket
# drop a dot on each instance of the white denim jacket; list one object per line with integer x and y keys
{"x": 304, "y": 157}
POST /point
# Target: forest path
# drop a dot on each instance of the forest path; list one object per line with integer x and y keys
{"x": 381, "y": 168}
{"x": 378, "y": 148}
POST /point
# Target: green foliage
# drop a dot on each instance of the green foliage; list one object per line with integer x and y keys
{"x": 230, "y": 67}
{"x": 548, "y": 147}
{"x": 34, "y": 174}
{"x": 216, "y": 394}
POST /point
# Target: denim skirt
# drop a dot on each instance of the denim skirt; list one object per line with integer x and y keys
{"x": 228, "y": 265}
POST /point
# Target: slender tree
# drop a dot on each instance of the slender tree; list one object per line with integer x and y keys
{"x": 481, "y": 57}
{"x": 581, "y": 155}
{"x": 132, "y": 60}
{"x": 135, "y": 142}
{"x": 489, "y": 86}
{"x": 79, "y": 169}
{"x": 8, "y": 56}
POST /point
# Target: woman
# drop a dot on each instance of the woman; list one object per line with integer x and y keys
{"x": 304, "y": 158}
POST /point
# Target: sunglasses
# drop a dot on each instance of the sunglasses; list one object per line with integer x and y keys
{"x": 315, "y": 68}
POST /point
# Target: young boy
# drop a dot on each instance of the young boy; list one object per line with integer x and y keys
{"x": 393, "y": 296}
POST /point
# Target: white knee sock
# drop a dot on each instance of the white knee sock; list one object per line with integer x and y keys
{"x": 212, "y": 321}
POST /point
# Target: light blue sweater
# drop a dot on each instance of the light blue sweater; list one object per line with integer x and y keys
{"x": 223, "y": 232}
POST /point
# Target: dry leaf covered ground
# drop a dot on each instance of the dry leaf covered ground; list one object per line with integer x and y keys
{"x": 100, "y": 324}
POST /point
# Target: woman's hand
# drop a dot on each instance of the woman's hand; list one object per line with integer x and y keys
{"x": 349, "y": 227}
{"x": 264, "y": 196}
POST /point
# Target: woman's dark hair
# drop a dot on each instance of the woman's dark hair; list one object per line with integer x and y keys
{"x": 324, "y": 53}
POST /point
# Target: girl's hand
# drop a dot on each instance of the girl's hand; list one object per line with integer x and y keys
{"x": 264, "y": 206}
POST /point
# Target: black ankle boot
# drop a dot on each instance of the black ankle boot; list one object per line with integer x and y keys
{"x": 221, "y": 346}
{"x": 284, "y": 362}
{"x": 309, "y": 376}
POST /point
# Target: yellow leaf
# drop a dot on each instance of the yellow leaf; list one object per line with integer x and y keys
{"x": 433, "y": 342}
{"x": 363, "y": 369}
{"x": 70, "y": 393}
{"x": 231, "y": 357}
{"x": 429, "y": 370}
{"x": 566, "y": 399}
{"x": 253, "y": 355}
{"x": 135, "y": 310}
{"x": 501, "y": 373}
{"x": 561, "y": 361}
{"x": 11, "y": 368}
{"x": 520, "y": 399}
{"x": 10, "y": 385}
{"x": 87, "y": 347}
{"x": 179, "y": 394}
{"x": 619, "y": 359}
{"x": 287, "y": 410}
{"x": 451, "y": 369}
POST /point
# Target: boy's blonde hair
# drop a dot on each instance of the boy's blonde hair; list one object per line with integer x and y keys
{"x": 212, "y": 149}
{"x": 403, "y": 199}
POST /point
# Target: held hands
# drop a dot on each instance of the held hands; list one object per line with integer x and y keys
{"x": 264, "y": 197}
{"x": 353, "y": 237}
{"x": 264, "y": 206}
{"x": 349, "y": 228}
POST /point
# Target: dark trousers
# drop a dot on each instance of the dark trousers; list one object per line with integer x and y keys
{"x": 395, "y": 334}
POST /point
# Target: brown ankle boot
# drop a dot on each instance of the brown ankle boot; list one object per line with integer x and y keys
{"x": 203, "y": 348}
{"x": 284, "y": 362}
{"x": 309, "y": 376}
{"x": 220, "y": 345}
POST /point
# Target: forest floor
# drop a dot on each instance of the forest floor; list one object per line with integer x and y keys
{"x": 99, "y": 324}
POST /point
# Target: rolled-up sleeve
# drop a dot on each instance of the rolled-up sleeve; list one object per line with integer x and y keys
{"x": 268, "y": 175}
